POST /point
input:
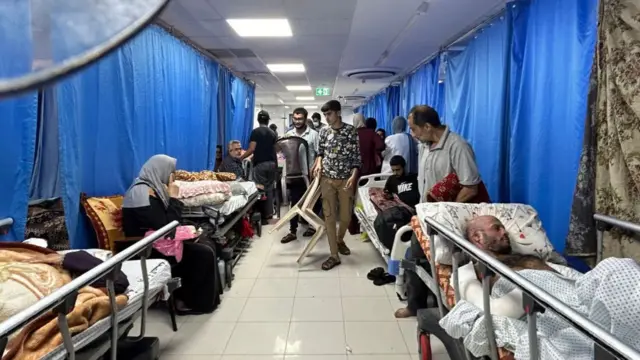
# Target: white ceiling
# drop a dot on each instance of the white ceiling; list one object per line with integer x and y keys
{"x": 330, "y": 37}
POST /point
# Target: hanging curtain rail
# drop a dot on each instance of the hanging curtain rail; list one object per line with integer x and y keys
{"x": 184, "y": 38}
{"x": 533, "y": 297}
{"x": 6, "y": 222}
{"x": 460, "y": 36}
{"x": 62, "y": 295}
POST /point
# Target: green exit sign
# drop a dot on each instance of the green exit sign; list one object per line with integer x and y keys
{"x": 322, "y": 91}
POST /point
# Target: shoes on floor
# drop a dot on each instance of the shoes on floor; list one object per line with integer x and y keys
{"x": 380, "y": 277}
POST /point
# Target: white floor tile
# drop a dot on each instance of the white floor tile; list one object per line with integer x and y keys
{"x": 317, "y": 309}
{"x": 267, "y": 310}
{"x": 318, "y": 287}
{"x": 274, "y": 288}
{"x": 310, "y": 338}
{"x": 194, "y": 338}
{"x": 258, "y": 339}
{"x": 240, "y": 288}
{"x": 252, "y": 357}
{"x": 379, "y": 357}
{"x": 375, "y": 338}
{"x": 315, "y": 357}
{"x": 360, "y": 287}
{"x": 367, "y": 309}
{"x": 190, "y": 357}
{"x": 229, "y": 310}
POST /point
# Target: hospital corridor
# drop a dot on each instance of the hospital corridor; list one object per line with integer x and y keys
{"x": 319, "y": 180}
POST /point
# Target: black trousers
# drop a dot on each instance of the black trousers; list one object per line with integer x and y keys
{"x": 297, "y": 188}
{"x": 417, "y": 290}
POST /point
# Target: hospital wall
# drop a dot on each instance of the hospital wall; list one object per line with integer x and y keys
{"x": 155, "y": 94}
{"x": 518, "y": 93}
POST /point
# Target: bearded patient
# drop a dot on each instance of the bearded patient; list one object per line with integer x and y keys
{"x": 608, "y": 295}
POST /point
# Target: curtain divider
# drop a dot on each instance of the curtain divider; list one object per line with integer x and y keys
{"x": 184, "y": 38}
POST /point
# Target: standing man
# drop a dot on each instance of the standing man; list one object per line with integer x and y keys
{"x": 262, "y": 145}
{"x": 297, "y": 187}
{"x": 337, "y": 163}
{"x": 317, "y": 123}
{"x": 442, "y": 152}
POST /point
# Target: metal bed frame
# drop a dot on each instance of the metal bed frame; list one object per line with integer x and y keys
{"x": 534, "y": 299}
{"x": 62, "y": 300}
{"x": 393, "y": 257}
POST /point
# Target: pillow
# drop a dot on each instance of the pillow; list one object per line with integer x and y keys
{"x": 105, "y": 215}
{"x": 206, "y": 199}
{"x": 521, "y": 222}
{"x": 187, "y": 189}
{"x": 446, "y": 189}
{"x": 237, "y": 188}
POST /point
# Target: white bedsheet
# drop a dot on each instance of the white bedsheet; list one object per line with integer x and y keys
{"x": 159, "y": 275}
{"x": 608, "y": 295}
{"x": 367, "y": 205}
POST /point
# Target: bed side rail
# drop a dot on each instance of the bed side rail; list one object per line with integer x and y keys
{"x": 606, "y": 223}
{"x": 63, "y": 300}
{"x": 5, "y": 225}
{"x": 534, "y": 300}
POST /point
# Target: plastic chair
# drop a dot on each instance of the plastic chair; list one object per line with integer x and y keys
{"x": 304, "y": 209}
{"x": 295, "y": 151}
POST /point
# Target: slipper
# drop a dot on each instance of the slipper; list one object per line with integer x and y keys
{"x": 376, "y": 273}
{"x": 384, "y": 280}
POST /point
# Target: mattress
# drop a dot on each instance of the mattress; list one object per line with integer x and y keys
{"x": 159, "y": 275}
{"x": 444, "y": 276}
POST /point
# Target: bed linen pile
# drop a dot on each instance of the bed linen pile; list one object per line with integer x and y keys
{"x": 202, "y": 193}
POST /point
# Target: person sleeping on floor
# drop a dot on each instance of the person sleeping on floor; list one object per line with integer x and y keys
{"x": 608, "y": 295}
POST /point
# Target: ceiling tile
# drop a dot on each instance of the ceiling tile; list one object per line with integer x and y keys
{"x": 249, "y": 8}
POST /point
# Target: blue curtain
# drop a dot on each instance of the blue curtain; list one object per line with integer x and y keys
{"x": 393, "y": 106}
{"x": 45, "y": 180}
{"x": 551, "y": 57}
{"x": 225, "y": 105}
{"x": 380, "y": 112}
{"x": 422, "y": 88}
{"x": 19, "y": 117}
{"x": 153, "y": 95}
{"x": 476, "y": 91}
{"x": 240, "y": 121}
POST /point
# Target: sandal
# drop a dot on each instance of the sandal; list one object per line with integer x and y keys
{"x": 309, "y": 233}
{"x": 343, "y": 249}
{"x": 288, "y": 238}
{"x": 384, "y": 280}
{"x": 330, "y": 263}
{"x": 403, "y": 313}
{"x": 375, "y": 273}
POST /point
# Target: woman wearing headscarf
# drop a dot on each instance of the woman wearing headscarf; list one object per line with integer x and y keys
{"x": 149, "y": 204}
{"x": 400, "y": 143}
{"x": 371, "y": 145}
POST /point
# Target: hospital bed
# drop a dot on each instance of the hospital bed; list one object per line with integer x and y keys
{"x": 147, "y": 279}
{"x": 366, "y": 213}
{"x": 535, "y": 300}
{"x": 223, "y": 217}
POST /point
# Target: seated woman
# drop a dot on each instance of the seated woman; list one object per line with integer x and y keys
{"x": 150, "y": 204}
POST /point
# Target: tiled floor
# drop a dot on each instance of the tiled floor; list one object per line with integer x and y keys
{"x": 278, "y": 310}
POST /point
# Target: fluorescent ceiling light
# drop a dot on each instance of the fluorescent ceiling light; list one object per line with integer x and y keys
{"x": 311, "y": 106}
{"x": 281, "y": 101}
{"x": 305, "y": 98}
{"x": 261, "y": 27}
{"x": 286, "y": 107}
{"x": 299, "y": 88}
{"x": 291, "y": 68}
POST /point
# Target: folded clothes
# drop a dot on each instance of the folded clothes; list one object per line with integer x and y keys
{"x": 188, "y": 189}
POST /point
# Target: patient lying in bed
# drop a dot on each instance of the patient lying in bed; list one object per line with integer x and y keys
{"x": 608, "y": 295}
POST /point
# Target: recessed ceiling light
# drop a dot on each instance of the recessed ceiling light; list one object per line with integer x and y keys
{"x": 291, "y": 68}
{"x": 281, "y": 101}
{"x": 261, "y": 27}
{"x": 286, "y": 107}
{"x": 299, "y": 88}
{"x": 311, "y": 106}
{"x": 305, "y": 98}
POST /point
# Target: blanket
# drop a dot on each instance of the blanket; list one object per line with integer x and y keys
{"x": 28, "y": 274}
{"x": 608, "y": 295}
{"x": 188, "y": 189}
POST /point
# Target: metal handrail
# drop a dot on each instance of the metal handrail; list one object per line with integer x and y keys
{"x": 6, "y": 222}
{"x": 602, "y": 221}
{"x": 59, "y": 296}
{"x": 600, "y": 336}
